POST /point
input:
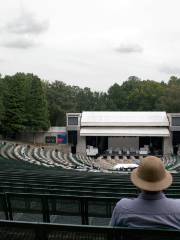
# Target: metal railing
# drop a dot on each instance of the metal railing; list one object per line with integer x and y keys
{"x": 42, "y": 231}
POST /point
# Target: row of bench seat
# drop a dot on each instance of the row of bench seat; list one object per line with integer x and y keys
{"x": 58, "y": 208}
{"x": 43, "y": 231}
{"x": 43, "y": 156}
{"x": 62, "y": 196}
{"x": 53, "y": 158}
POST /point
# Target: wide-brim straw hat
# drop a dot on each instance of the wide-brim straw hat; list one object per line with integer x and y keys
{"x": 151, "y": 175}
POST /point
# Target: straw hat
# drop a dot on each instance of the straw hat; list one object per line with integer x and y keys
{"x": 151, "y": 175}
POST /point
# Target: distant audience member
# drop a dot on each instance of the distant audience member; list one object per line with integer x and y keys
{"x": 151, "y": 209}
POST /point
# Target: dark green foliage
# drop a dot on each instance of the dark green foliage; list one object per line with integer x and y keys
{"x": 24, "y": 105}
{"x": 170, "y": 99}
{"x": 37, "y": 117}
{"x": 14, "y": 104}
{"x": 136, "y": 95}
{"x": 29, "y": 104}
{"x": 145, "y": 96}
{"x": 90, "y": 101}
{"x": 61, "y": 99}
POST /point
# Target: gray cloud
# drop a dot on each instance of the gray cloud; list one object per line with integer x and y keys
{"x": 27, "y": 23}
{"x": 21, "y": 43}
{"x": 23, "y": 31}
{"x": 129, "y": 48}
{"x": 169, "y": 69}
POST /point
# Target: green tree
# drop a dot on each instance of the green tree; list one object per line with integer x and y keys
{"x": 119, "y": 95}
{"x": 61, "y": 99}
{"x": 115, "y": 99}
{"x": 37, "y": 116}
{"x": 100, "y": 101}
{"x": 14, "y": 104}
{"x": 170, "y": 100}
{"x": 85, "y": 99}
{"x": 145, "y": 96}
{"x": 174, "y": 81}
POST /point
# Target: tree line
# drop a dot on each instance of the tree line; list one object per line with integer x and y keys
{"x": 29, "y": 104}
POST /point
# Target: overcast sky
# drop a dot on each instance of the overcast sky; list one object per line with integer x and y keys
{"x": 92, "y": 43}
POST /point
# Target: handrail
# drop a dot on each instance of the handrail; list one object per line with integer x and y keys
{"x": 44, "y": 231}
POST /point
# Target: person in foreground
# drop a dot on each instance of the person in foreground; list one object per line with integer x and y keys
{"x": 151, "y": 209}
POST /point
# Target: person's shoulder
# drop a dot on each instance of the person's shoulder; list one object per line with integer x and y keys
{"x": 125, "y": 200}
{"x": 173, "y": 201}
{"x": 125, "y": 203}
{"x": 173, "y": 204}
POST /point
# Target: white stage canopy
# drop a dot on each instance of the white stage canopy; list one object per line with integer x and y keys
{"x": 125, "y": 165}
{"x": 125, "y": 131}
{"x": 123, "y": 119}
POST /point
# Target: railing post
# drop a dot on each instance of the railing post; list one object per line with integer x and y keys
{"x": 9, "y": 208}
{"x": 86, "y": 218}
{"x": 40, "y": 233}
{"x": 45, "y": 208}
{"x": 84, "y": 210}
{"x": 4, "y": 205}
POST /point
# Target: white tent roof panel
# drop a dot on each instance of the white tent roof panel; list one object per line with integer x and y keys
{"x": 125, "y": 131}
{"x": 125, "y": 165}
{"x": 124, "y": 119}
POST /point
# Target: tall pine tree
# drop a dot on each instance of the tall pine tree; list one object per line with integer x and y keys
{"x": 37, "y": 117}
{"x": 14, "y": 99}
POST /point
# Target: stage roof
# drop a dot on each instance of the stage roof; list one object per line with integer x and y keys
{"x": 120, "y": 119}
{"x": 125, "y": 131}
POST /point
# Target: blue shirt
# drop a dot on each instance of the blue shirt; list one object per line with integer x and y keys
{"x": 147, "y": 211}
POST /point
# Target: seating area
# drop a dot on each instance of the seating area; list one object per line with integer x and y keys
{"x": 109, "y": 163}
{"x": 63, "y": 196}
{"x": 43, "y": 196}
{"x": 44, "y": 156}
{"x": 33, "y": 156}
{"x": 32, "y": 199}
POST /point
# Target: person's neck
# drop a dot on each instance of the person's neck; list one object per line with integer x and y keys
{"x": 150, "y": 192}
{"x": 151, "y": 195}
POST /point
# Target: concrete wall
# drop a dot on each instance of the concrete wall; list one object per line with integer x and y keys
{"x": 39, "y": 138}
{"x": 81, "y": 144}
{"x": 123, "y": 142}
{"x": 167, "y": 146}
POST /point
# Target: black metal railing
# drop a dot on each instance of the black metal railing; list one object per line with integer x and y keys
{"x": 42, "y": 231}
{"x": 44, "y": 206}
{"x": 52, "y": 208}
